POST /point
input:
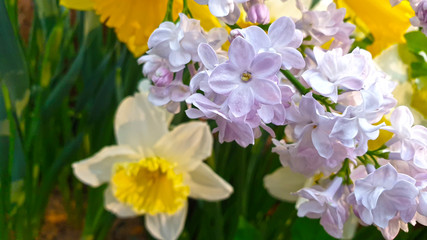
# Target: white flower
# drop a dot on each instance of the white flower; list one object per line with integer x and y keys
{"x": 409, "y": 142}
{"x": 152, "y": 171}
{"x": 283, "y": 182}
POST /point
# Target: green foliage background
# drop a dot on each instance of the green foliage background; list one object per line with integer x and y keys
{"x": 59, "y": 93}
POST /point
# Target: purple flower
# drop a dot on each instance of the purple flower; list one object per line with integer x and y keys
{"x": 247, "y": 78}
{"x": 409, "y": 142}
{"x": 282, "y": 38}
{"x": 326, "y": 204}
{"x": 322, "y": 26}
{"x": 310, "y": 119}
{"x": 335, "y": 71}
{"x": 383, "y": 195}
{"x": 171, "y": 95}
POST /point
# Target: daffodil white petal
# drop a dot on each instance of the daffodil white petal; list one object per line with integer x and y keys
{"x": 139, "y": 123}
{"x": 282, "y": 182}
{"x": 166, "y": 227}
{"x": 113, "y": 205}
{"x": 207, "y": 185}
{"x": 97, "y": 169}
{"x": 186, "y": 145}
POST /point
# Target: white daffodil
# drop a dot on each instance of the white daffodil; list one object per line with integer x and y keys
{"x": 152, "y": 171}
{"x": 283, "y": 182}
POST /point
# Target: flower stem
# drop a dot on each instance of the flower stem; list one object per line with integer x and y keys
{"x": 168, "y": 15}
{"x": 295, "y": 82}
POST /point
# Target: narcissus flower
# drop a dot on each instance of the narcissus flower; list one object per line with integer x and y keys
{"x": 135, "y": 20}
{"x": 152, "y": 171}
{"x": 377, "y": 16}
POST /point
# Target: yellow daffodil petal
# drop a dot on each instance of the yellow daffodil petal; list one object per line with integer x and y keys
{"x": 135, "y": 20}
{"x": 82, "y": 5}
{"x": 387, "y": 24}
{"x": 202, "y": 13}
{"x": 382, "y": 138}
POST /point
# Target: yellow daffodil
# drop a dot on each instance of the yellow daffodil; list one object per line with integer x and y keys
{"x": 386, "y": 23}
{"x": 135, "y": 20}
{"x": 152, "y": 171}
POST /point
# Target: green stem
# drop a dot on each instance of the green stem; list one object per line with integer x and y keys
{"x": 295, "y": 82}
{"x": 186, "y": 9}
{"x": 168, "y": 15}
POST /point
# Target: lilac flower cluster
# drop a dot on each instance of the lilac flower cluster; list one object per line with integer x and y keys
{"x": 171, "y": 48}
{"x": 332, "y": 102}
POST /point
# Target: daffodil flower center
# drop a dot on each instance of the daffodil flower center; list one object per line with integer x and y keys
{"x": 149, "y": 186}
{"x": 246, "y": 76}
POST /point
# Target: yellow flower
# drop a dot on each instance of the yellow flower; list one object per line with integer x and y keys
{"x": 153, "y": 171}
{"x": 135, "y": 20}
{"x": 387, "y": 24}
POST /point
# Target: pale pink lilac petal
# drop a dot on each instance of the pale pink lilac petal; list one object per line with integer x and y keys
{"x": 265, "y": 65}
{"x": 291, "y": 58}
{"x": 266, "y": 91}
{"x": 241, "y": 54}
{"x": 207, "y": 55}
{"x": 223, "y": 78}
{"x": 281, "y": 31}
{"x": 241, "y": 101}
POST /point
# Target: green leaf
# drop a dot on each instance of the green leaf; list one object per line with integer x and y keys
{"x": 309, "y": 229}
{"x": 13, "y": 69}
{"x": 419, "y": 69}
{"x": 417, "y": 41}
{"x": 246, "y": 231}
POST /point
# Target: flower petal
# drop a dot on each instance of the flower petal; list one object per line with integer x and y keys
{"x": 207, "y": 55}
{"x": 164, "y": 226}
{"x": 257, "y": 37}
{"x": 207, "y": 185}
{"x": 283, "y": 182}
{"x": 265, "y": 65}
{"x": 281, "y": 31}
{"x": 77, "y": 4}
{"x": 224, "y": 79}
{"x": 322, "y": 143}
{"x": 159, "y": 35}
{"x": 292, "y": 58}
{"x": 186, "y": 145}
{"x": 241, "y": 101}
{"x": 241, "y": 53}
{"x": 139, "y": 123}
{"x": 97, "y": 169}
{"x": 113, "y": 205}
{"x": 318, "y": 82}
{"x": 219, "y": 8}
{"x": 266, "y": 91}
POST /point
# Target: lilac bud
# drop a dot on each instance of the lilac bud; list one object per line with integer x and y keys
{"x": 259, "y": 13}
{"x": 162, "y": 77}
